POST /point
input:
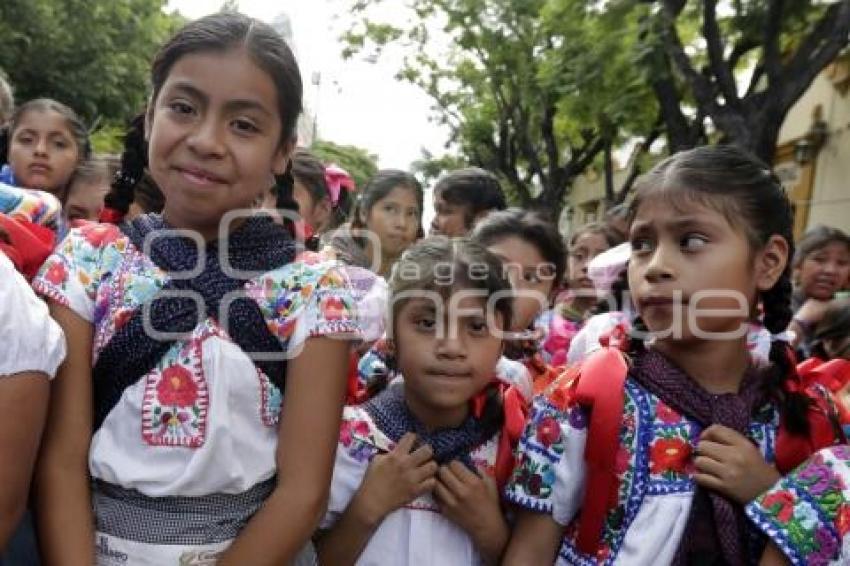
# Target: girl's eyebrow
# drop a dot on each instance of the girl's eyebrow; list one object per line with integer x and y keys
{"x": 234, "y": 105}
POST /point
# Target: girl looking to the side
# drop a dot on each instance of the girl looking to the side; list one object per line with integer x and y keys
{"x": 700, "y": 426}
{"x": 183, "y": 427}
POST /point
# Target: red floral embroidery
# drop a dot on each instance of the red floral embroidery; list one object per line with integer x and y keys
{"x": 784, "y": 500}
{"x": 349, "y": 429}
{"x": 666, "y": 415}
{"x": 333, "y": 308}
{"x": 122, "y": 317}
{"x": 842, "y": 520}
{"x": 98, "y": 235}
{"x": 548, "y": 431}
{"x": 176, "y": 388}
{"x": 56, "y": 273}
{"x": 669, "y": 454}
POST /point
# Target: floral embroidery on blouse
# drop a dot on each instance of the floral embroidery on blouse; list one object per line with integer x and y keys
{"x": 654, "y": 457}
{"x": 807, "y": 513}
{"x": 99, "y": 274}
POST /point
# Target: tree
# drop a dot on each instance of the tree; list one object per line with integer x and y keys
{"x": 699, "y": 53}
{"x": 359, "y": 163}
{"x": 93, "y": 55}
{"x": 534, "y": 90}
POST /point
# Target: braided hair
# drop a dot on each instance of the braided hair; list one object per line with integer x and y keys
{"x": 134, "y": 159}
{"x": 748, "y": 194}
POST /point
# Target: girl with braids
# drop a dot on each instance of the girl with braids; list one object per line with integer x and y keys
{"x": 183, "y": 428}
{"x": 42, "y": 145}
{"x": 415, "y": 465}
{"x": 650, "y": 458}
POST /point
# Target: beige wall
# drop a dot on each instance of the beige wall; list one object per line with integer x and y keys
{"x": 830, "y": 200}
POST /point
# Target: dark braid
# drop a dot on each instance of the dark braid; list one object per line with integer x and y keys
{"x": 134, "y": 159}
{"x": 794, "y": 406}
{"x": 284, "y": 187}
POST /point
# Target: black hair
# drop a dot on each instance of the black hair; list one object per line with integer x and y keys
{"x": 475, "y": 188}
{"x": 816, "y": 239}
{"x": 472, "y": 267}
{"x": 148, "y": 196}
{"x": 742, "y": 188}
{"x": 75, "y": 124}
{"x": 613, "y": 237}
{"x": 218, "y": 33}
{"x": 530, "y": 227}
{"x": 378, "y": 187}
{"x": 310, "y": 172}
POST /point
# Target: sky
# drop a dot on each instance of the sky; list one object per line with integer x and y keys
{"x": 357, "y": 102}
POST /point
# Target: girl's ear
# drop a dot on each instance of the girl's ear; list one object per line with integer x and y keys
{"x": 771, "y": 262}
{"x": 280, "y": 161}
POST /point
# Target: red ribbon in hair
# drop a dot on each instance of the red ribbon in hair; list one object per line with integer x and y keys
{"x": 110, "y": 215}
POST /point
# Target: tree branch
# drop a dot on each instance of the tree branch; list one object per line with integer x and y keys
{"x": 772, "y": 61}
{"x": 702, "y": 89}
{"x": 722, "y": 72}
{"x": 635, "y": 172}
{"x": 820, "y": 48}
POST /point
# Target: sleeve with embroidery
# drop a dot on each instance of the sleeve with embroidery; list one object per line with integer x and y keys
{"x": 301, "y": 300}
{"x": 807, "y": 513}
{"x": 32, "y": 341}
{"x": 37, "y": 207}
{"x": 72, "y": 274}
{"x": 356, "y": 448}
{"x": 550, "y": 472}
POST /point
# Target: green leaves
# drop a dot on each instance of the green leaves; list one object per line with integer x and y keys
{"x": 93, "y": 55}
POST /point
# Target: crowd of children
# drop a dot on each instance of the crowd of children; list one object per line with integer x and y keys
{"x": 218, "y": 350}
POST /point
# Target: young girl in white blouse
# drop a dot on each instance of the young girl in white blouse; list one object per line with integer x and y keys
{"x": 417, "y": 466}
{"x": 31, "y": 348}
{"x": 196, "y": 417}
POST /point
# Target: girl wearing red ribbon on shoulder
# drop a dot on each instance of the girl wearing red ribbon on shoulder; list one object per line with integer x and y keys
{"x": 651, "y": 458}
{"x": 418, "y": 465}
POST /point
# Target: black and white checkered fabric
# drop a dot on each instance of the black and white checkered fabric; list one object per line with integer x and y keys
{"x": 127, "y": 514}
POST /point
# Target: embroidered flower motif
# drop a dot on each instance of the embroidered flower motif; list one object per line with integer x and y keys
{"x": 842, "y": 520}
{"x": 176, "y": 388}
{"x": 665, "y": 414}
{"x": 99, "y": 235}
{"x": 548, "y": 431}
{"x": 56, "y": 273}
{"x": 817, "y": 477}
{"x": 780, "y": 504}
{"x": 669, "y": 455}
{"x": 333, "y": 308}
{"x": 351, "y": 428}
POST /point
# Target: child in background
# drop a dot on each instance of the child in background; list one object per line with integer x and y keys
{"x": 88, "y": 187}
{"x": 185, "y": 429}
{"x": 389, "y": 208}
{"x": 414, "y": 476}
{"x": 43, "y": 144}
{"x": 821, "y": 268}
{"x": 690, "y": 428}
{"x": 462, "y": 198}
{"x": 573, "y": 306}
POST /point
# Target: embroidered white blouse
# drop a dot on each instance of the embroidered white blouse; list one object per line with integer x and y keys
{"x": 29, "y": 338}
{"x": 415, "y": 534}
{"x": 204, "y": 420}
